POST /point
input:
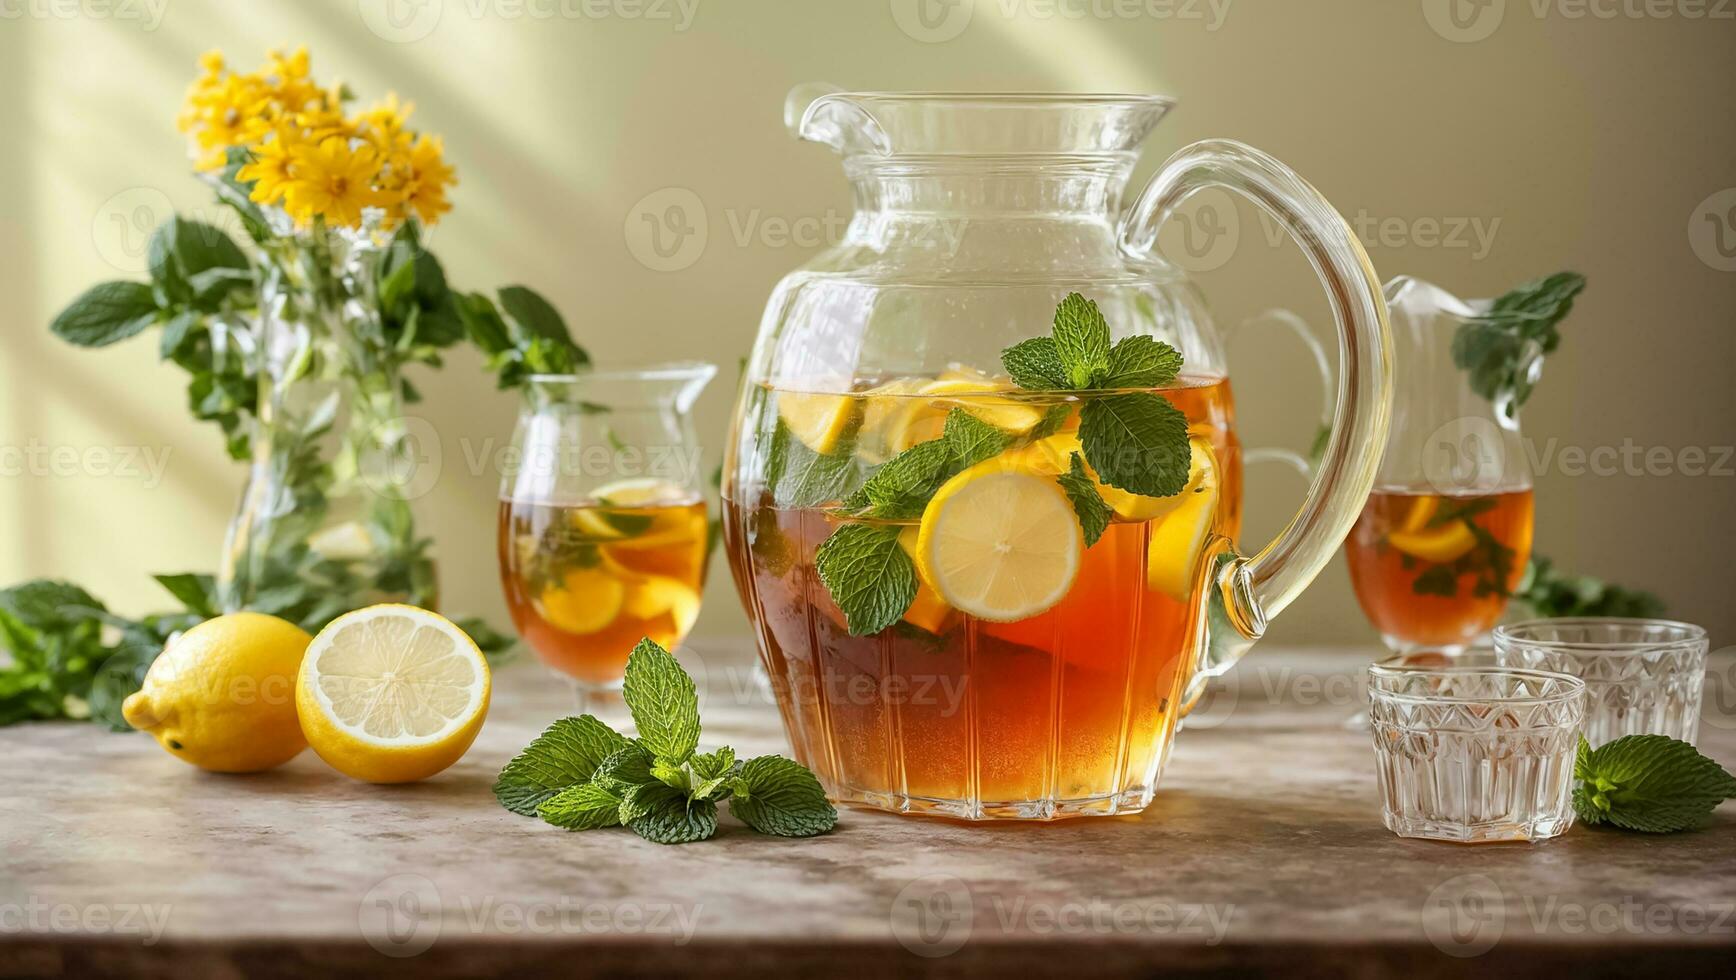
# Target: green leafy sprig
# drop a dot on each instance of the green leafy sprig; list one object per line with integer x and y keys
{"x": 1552, "y": 593}
{"x": 1495, "y": 347}
{"x": 71, "y": 657}
{"x": 1489, "y": 562}
{"x": 581, "y": 774}
{"x": 1650, "y": 783}
{"x": 1132, "y": 438}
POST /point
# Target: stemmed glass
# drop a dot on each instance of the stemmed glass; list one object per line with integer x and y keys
{"x": 602, "y": 527}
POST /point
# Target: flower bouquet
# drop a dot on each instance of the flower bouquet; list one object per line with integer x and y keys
{"x": 295, "y": 340}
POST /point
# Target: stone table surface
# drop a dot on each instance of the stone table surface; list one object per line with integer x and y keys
{"x": 1263, "y": 851}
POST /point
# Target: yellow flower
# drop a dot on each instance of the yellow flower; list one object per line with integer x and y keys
{"x": 384, "y": 125}
{"x": 333, "y": 180}
{"x": 272, "y": 165}
{"x": 225, "y": 113}
{"x": 428, "y": 176}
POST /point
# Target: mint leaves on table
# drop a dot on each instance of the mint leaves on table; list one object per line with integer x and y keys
{"x": 1650, "y": 783}
{"x": 1134, "y": 440}
{"x": 1552, "y": 593}
{"x": 581, "y": 774}
{"x": 1493, "y": 347}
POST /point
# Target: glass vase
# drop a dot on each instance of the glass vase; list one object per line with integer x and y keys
{"x": 326, "y": 522}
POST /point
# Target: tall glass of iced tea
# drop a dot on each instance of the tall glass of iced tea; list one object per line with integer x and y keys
{"x": 602, "y": 522}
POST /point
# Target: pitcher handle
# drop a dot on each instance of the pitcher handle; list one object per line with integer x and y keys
{"x": 1245, "y": 592}
{"x": 1302, "y": 463}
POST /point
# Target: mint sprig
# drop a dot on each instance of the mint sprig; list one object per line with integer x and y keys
{"x": 1650, "y": 783}
{"x": 1134, "y": 440}
{"x": 1492, "y": 347}
{"x": 580, "y": 774}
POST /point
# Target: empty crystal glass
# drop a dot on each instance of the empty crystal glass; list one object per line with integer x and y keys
{"x": 1475, "y": 754}
{"x": 1642, "y": 676}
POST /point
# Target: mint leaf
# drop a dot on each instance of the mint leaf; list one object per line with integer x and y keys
{"x": 1052, "y": 421}
{"x": 870, "y": 577}
{"x": 106, "y": 313}
{"x": 774, "y": 795}
{"x": 198, "y": 593}
{"x": 969, "y": 440}
{"x": 566, "y": 754}
{"x": 664, "y": 703}
{"x": 1035, "y": 365}
{"x": 1650, "y": 783}
{"x": 1141, "y": 362}
{"x": 625, "y": 769}
{"x": 672, "y": 818}
{"x": 1081, "y": 341}
{"x": 800, "y": 478}
{"x": 901, "y": 487}
{"x": 640, "y": 800}
{"x": 1093, "y": 513}
{"x": 1492, "y": 348}
{"x": 1137, "y": 442}
{"x": 586, "y": 806}
{"x": 711, "y": 771}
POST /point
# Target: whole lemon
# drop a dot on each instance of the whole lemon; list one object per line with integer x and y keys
{"x": 222, "y": 695}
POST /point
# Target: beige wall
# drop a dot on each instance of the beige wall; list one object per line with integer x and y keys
{"x": 1563, "y": 141}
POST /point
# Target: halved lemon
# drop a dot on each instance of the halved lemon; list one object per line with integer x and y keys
{"x": 1446, "y": 543}
{"x": 1180, "y": 531}
{"x": 585, "y": 601}
{"x": 391, "y": 694}
{"x": 819, "y": 421}
{"x": 888, "y": 412}
{"x": 1000, "y": 542}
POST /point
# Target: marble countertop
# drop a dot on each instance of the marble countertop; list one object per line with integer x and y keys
{"x": 1264, "y": 849}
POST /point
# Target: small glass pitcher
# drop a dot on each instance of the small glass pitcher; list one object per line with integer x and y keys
{"x": 603, "y": 535}
{"x": 1445, "y": 537}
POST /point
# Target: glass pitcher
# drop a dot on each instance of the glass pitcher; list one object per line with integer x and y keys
{"x": 946, "y": 638}
{"x": 602, "y": 526}
{"x": 1445, "y": 537}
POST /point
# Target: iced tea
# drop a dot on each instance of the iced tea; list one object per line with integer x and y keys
{"x": 584, "y": 583}
{"x": 1434, "y": 570}
{"x": 1064, "y": 712}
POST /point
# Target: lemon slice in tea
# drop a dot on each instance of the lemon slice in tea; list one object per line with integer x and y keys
{"x": 1179, "y": 535}
{"x": 1000, "y": 542}
{"x": 587, "y": 600}
{"x": 819, "y": 421}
